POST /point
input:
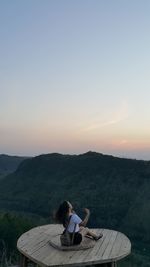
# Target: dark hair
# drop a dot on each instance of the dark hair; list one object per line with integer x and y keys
{"x": 61, "y": 215}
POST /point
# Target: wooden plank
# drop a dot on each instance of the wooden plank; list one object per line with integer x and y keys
{"x": 116, "y": 247}
{"x": 37, "y": 257}
{"x": 96, "y": 255}
{"x": 104, "y": 244}
{"x": 98, "y": 244}
{"x": 24, "y": 239}
{"x": 45, "y": 252}
{"x": 67, "y": 257}
{"x": 125, "y": 248}
{"x": 57, "y": 228}
{"x": 35, "y": 232}
{"x": 81, "y": 257}
{"x": 77, "y": 257}
{"x": 33, "y": 240}
{"x": 36, "y": 247}
{"x": 71, "y": 253}
{"x": 106, "y": 254}
{"x": 30, "y": 235}
{"x": 56, "y": 258}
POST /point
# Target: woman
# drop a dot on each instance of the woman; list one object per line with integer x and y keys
{"x": 73, "y": 223}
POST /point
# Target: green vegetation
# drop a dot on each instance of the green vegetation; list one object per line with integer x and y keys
{"x": 9, "y": 164}
{"x": 11, "y": 227}
{"x": 136, "y": 259}
{"x": 116, "y": 191}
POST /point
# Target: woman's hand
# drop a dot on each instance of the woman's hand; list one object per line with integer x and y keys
{"x": 87, "y": 211}
{"x": 87, "y": 215}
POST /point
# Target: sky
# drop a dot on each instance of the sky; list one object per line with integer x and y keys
{"x": 75, "y": 77}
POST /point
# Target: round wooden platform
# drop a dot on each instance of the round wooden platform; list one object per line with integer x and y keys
{"x": 34, "y": 245}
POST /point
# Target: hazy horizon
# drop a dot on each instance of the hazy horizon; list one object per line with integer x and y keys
{"x": 74, "y": 77}
{"x": 99, "y": 152}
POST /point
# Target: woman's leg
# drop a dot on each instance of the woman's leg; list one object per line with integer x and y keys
{"x": 86, "y": 231}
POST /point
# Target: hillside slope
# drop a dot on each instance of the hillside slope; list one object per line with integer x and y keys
{"x": 9, "y": 164}
{"x": 116, "y": 190}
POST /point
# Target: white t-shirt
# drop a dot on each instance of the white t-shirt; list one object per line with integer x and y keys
{"x": 75, "y": 219}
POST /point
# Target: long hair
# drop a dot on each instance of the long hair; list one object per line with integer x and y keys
{"x": 61, "y": 215}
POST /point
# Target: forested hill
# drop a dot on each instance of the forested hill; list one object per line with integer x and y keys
{"x": 9, "y": 164}
{"x": 116, "y": 190}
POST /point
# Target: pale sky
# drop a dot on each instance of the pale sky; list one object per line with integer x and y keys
{"x": 74, "y": 77}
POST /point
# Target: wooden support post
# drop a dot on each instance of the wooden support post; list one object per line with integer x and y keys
{"x": 109, "y": 264}
{"x": 23, "y": 261}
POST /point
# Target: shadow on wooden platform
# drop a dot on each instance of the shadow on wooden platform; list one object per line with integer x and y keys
{"x": 85, "y": 244}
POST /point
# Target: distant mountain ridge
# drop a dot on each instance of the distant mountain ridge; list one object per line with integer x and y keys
{"x": 116, "y": 190}
{"x": 9, "y": 164}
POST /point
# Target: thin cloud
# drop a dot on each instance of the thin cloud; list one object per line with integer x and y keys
{"x": 118, "y": 116}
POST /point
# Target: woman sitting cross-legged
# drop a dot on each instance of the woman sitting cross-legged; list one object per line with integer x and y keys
{"x": 73, "y": 224}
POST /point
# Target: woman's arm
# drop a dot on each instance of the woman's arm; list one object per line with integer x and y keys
{"x": 87, "y": 215}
